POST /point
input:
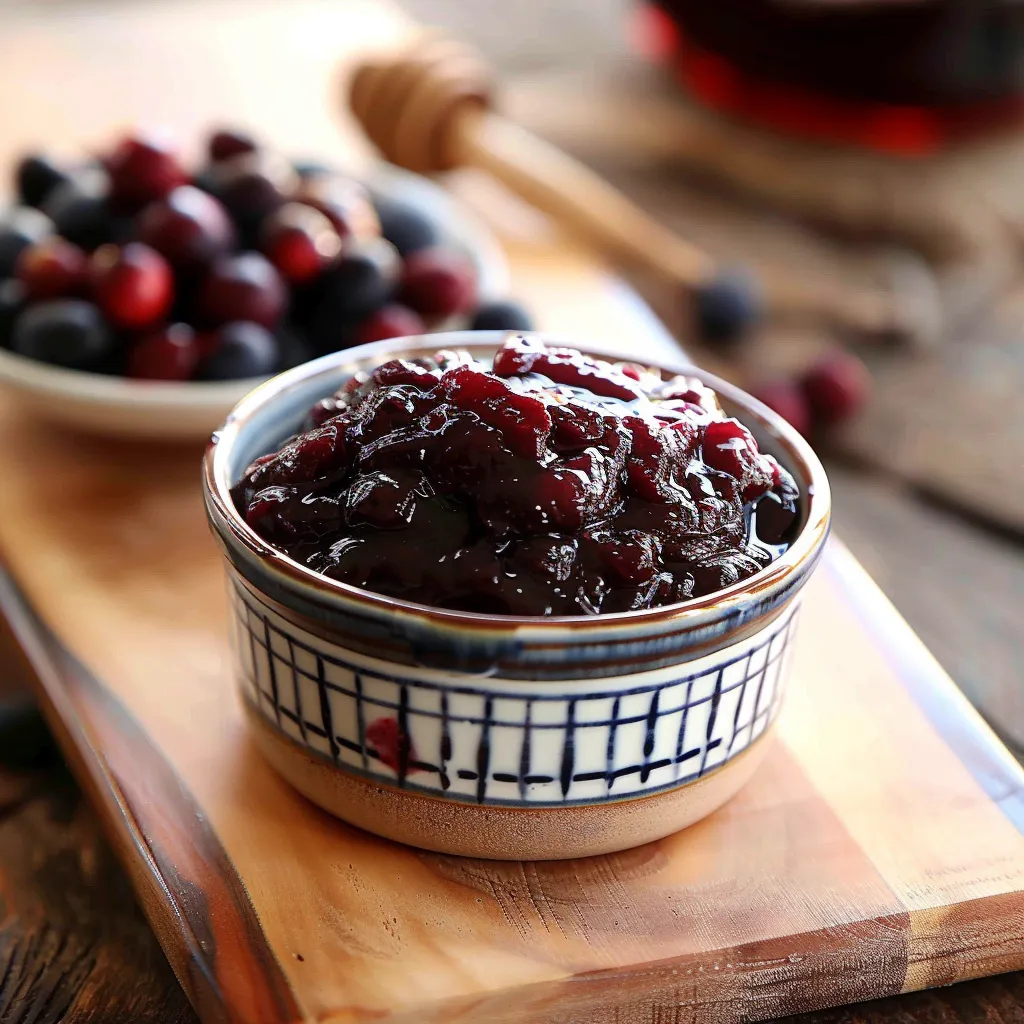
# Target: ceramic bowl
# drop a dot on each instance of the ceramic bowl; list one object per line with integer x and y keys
{"x": 116, "y": 406}
{"x": 500, "y": 736}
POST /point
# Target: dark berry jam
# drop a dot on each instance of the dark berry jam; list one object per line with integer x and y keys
{"x": 552, "y": 484}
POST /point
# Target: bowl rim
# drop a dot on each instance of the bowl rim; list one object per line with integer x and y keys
{"x": 229, "y": 526}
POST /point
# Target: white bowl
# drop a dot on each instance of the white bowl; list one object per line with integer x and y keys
{"x": 116, "y": 406}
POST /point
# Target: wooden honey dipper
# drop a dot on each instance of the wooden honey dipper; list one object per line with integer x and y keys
{"x": 429, "y": 109}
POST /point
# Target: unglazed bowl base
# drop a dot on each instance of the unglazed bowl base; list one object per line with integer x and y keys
{"x": 498, "y": 832}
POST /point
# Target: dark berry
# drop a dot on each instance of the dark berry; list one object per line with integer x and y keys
{"x": 244, "y": 349}
{"x": 837, "y": 387}
{"x": 293, "y": 348}
{"x": 787, "y": 398}
{"x": 502, "y": 316}
{"x": 65, "y": 332}
{"x": 133, "y": 285}
{"x": 20, "y": 227}
{"x": 166, "y": 353}
{"x": 225, "y": 144}
{"x": 53, "y": 269}
{"x": 241, "y": 287}
{"x": 345, "y": 203}
{"x": 726, "y": 306}
{"x": 299, "y": 241}
{"x": 407, "y": 228}
{"x": 188, "y": 227}
{"x": 251, "y": 186}
{"x": 143, "y": 168}
{"x": 391, "y": 321}
{"x": 438, "y": 283}
{"x": 12, "y": 301}
{"x": 35, "y": 178}
{"x": 730, "y": 448}
{"x": 25, "y": 740}
{"x": 80, "y": 210}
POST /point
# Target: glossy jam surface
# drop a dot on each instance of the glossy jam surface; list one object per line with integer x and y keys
{"x": 552, "y": 484}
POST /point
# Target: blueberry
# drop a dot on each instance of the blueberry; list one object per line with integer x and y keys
{"x": 293, "y": 348}
{"x": 501, "y": 316}
{"x": 727, "y": 306}
{"x": 80, "y": 210}
{"x": 65, "y": 332}
{"x": 404, "y": 226}
{"x": 35, "y": 178}
{"x": 25, "y": 741}
{"x": 244, "y": 349}
{"x": 20, "y": 227}
{"x": 12, "y": 298}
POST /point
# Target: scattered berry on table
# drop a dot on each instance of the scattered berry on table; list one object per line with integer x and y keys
{"x": 133, "y": 285}
{"x": 35, "y": 178}
{"x": 438, "y": 283}
{"x": 787, "y": 398}
{"x": 837, "y": 387}
{"x": 66, "y": 332}
{"x": 726, "y": 306}
{"x": 244, "y": 349}
{"x": 52, "y": 269}
{"x": 20, "y": 227}
{"x": 405, "y": 226}
{"x": 501, "y": 316}
{"x": 169, "y": 352}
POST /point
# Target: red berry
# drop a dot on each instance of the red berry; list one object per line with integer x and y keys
{"x": 189, "y": 227}
{"x": 143, "y": 168}
{"x": 299, "y": 241}
{"x": 133, "y": 285}
{"x": 241, "y": 287}
{"x": 391, "y": 321}
{"x": 730, "y": 448}
{"x": 787, "y": 398}
{"x": 345, "y": 203}
{"x": 253, "y": 185}
{"x": 52, "y": 269}
{"x": 438, "y": 283}
{"x": 837, "y": 387}
{"x": 223, "y": 145}
{"x": 166, "y": 353}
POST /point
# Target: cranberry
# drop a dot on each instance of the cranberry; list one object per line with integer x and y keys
{"x": 786, "y": 398}
{"x": 189, "y": 227}
{"x": 391, "y": 321}
{"x": 252, "y": 186}
{"x": 133, "y": 285}
{"x": 143, "y": 168}
{"x": 225, "y": 144}
{"x": 438, "y": 283}
{"x": 166, "y": 353}
{"x": 241, "y": 287}
{"x": 837, "y": 387}
{"x": 299, "y": 241}
{"x": 242, "y": 349}
{"x": 343, "y": 202}
{"x": 53, "y": 269}
{"x": 730, "y": 448}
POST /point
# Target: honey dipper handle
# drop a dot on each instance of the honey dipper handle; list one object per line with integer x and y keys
{"x": 575, "y": 196}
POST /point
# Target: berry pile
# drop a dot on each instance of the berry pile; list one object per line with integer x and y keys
{"x": 134, "y": 265}
{"x": 550, "y": 484}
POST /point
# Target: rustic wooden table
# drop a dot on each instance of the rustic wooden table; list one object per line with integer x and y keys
{"x": 73, "y": 943}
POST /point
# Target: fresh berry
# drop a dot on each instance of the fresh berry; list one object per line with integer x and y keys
{"x": 293, "y": 348}
{"x": 241, "y": 287}
{"x": 345, "y": 203}
{"x": 438, "y": 283}
{"x": 20, "y": 228}
{"x": 502, "y": 316}
{"x": 405, "y": 226}
{"x": 188, "y": 227}
{"x": 787, "y": 398}
{"x": 251, "y": 186}
{"x": 837, "y": 387}
{"x": 391, "y": 321}
{"x": 35, "y": 178}
{"x": 133, "y": 285}
{"x": 166, "y": 353}
{"x": 299, "y": 241}
{"x": 80, "y": 209}
{"x": 65, "y": 332}
{"x": 224, "y": 144}
{"x": 143, "y": 168}
{"x": 12, "y": 301}
{"x": 52, "y": 269}
{"x": 726, "y": 306}
{"x": 244, "y": 349}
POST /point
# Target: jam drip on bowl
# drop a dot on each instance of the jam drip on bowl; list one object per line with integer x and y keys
{"x": 550, "y": 484}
